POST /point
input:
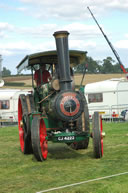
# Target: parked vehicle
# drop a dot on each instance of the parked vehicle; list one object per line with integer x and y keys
{"x": 9, "y": 104}
{"x": 55, "y": 111}
{"x": 109, "y": 98}
{"x": 124, "y": 113}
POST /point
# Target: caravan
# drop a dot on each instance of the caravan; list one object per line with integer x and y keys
{"x": 109, "y": 97}
{"x": 9, "y": 104}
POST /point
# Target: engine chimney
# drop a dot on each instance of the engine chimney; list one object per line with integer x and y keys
{"x": 61, "y": 38}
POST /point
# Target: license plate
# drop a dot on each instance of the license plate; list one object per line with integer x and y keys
{"x": 66, "y": 138}
{"x": 102, "y": 112}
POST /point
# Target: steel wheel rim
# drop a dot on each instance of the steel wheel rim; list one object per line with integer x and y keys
{"x": 97, "y": 135}
{"x": 43, "y": 141}
{"x": 101, "y": 129}
{"x": 21, "y": 130}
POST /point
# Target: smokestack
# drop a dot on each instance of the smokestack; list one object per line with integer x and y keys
{"x": 61, "y": 38}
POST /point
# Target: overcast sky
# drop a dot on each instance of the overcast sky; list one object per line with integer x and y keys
{"x": 27, "y": 26}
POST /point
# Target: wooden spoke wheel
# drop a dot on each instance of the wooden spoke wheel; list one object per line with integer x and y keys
{"x": 83, "y": 125}
{"x": 23, "y": 124}
{"x": 97, "y": 135}
{"x": 39, "y": 142}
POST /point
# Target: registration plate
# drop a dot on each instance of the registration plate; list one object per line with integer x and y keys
{"x": 66, "y": 138}
{"x": 102, "y": 112}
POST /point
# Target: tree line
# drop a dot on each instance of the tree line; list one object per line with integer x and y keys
{"x": 106, "y": 66}
{"x": 6, "y": 72}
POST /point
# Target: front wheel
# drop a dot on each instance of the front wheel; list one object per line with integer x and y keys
{"x": 38, "y": 136}
{"x": 97, "y": 135}
{"x": 83, "y": 125}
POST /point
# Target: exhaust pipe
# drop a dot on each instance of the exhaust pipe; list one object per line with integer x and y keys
{"x": 61, "y": 38}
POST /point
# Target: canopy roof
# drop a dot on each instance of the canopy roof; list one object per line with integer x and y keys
{"x": 50, "y": 57}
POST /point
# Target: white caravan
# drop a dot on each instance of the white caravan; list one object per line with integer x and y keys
{"x": 9, "y": 104}
{"x": 109, "y": 97}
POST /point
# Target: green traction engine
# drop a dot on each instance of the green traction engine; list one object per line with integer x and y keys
{"x": 56, "y": 111}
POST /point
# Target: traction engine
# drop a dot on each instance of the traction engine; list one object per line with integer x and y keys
{"x": 56, "y": 111}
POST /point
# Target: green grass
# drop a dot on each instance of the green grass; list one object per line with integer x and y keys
{"x": 21, "y": 173}
{"x": 10, "y": 84}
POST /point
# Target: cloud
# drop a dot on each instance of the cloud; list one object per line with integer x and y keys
{"x": 56, "y": 9}
{"x": 122, "y": 44}
{"x": 73, "y": 9}
{"x": 4, "y": 6}
{"x": 22, "y": 9}
{"x": 2, "y": 35}
{"x": 40, "y": 38}
{"x": 40, "y": 31}
{"x": 16, "y": 51}
{"x": 45, "y": 31}
{"x": 5, "y": 28}
{"x": 82, "y": 45}
{"x": 81, "y": 31}
{"x": 22, "y": 47}
{"x": 13, "y": 48}
{"x": 118, "y": 4}
{"x": 126, "y": 35}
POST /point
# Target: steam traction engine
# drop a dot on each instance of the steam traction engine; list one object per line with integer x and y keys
{"x": 55, "y": 111}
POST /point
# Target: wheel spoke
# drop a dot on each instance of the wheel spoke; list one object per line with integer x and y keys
{"x": 24, "y": 127}
{"x": 43, "y": 141}
{"x": 39, "y": 142}
{"x": 21, "y": 131}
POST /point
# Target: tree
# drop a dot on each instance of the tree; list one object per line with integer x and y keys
{"x": 6, "y": 72}
{"x": 93, "y": 66}
{"x": 107, "y": 66}
{"x": 117, "y": 68}
{"x": 79, "y": 68}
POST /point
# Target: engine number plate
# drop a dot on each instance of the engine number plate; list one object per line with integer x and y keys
{"x": 66, "y": 138}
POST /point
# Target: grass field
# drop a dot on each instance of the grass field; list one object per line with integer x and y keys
{"x": 23, "y": 174}
{"x": 25, "y": 81}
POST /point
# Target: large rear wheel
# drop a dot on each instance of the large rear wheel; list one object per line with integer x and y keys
{"x": 38, "y": 136}
{"x": 23, "y": 124}
{"x": 97, "y": 135}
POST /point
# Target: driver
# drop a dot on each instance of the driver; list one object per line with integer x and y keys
{"x": 45, "y": 75}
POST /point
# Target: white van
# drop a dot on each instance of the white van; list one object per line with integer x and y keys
{"x": 109, "y": 97}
